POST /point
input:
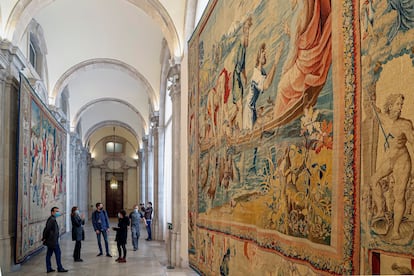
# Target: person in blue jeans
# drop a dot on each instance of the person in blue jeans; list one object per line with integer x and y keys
{"x": 100, "y": 222}
{"x": 135, "y": 217}
{"x": 50, "y": 238}
{"x": 148, "y": 219}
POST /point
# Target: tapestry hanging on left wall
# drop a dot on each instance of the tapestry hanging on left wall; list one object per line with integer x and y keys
{"x": 41, "y": 181}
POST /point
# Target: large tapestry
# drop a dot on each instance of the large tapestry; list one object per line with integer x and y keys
{"x": 272, "y": 153}
{"x": 41, "y": 182}
{"x": 387, "y": 203}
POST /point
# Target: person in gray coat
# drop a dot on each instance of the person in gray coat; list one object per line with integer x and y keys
{"x": 135, "y": 217}
{"x": 78, "y": 233}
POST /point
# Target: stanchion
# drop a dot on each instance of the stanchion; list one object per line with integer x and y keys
{"x": 170, "y": 228}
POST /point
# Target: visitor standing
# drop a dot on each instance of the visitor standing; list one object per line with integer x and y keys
{"x": 100, "y": 222}
{"x": 78, "y": 233}
{"x": 51, "y": 240}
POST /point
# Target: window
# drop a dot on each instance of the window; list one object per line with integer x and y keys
{"x": 32, "y": 54}
{"x": 112, "y": 147}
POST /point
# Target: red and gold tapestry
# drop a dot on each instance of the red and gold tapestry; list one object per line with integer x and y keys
{"x": 272, "y": 153}
{"x": 41, "y": 181}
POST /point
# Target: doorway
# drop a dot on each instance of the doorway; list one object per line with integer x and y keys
{"x": 114, "y": 197}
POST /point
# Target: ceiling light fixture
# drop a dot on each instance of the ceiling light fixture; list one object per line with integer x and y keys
{"x": 114, "y": 182}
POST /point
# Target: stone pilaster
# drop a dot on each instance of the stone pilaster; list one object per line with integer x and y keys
{"x": 156, "y": 204}
{"x": 103, "y": 188}
{"x": 78, "y": 186}
{"x": 162, "y": 197}
{"x": 126, "y": 184}
{"x": 72, "y": 191}
{"x": 90, "y": 204}
{"x": 140, "y": 178}
{"x": 146, "y": 168}
{"x": 83, "y": 188}
{"x": 175, "y": 94}
{"x": 10, "y": 65}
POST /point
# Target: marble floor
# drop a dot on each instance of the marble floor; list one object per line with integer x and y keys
{"x": 150, "y": 259}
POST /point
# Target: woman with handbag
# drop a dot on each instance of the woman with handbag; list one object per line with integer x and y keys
{"x": 78, "y": 233}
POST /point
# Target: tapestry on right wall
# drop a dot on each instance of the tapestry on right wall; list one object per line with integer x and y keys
{"x": 273, "y": 163}
{"x": 387, "y": 188}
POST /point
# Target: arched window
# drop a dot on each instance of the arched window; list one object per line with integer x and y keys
{"x": 36, "y": 50}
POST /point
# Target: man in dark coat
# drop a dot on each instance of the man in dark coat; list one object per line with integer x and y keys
{"x": 51, "y": 240}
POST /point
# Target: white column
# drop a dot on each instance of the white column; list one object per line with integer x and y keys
{"x": 146, "y": 168}
{"x": 72, "y": 197}
{"x": 175, "y": 94}
{"x": 161, "y": 185}
{"x": 140, "y": 181}
{"x": 90, "y": 203}
{"x": 156, "y": 203}
{"x": 83, "y": 184}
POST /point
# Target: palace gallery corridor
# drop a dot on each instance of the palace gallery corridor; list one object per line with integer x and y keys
{"x": 262, "y": 137}
{"x": 150, "y": 259}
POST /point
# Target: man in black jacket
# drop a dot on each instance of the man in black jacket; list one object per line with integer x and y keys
{"x": 51, "y": 240}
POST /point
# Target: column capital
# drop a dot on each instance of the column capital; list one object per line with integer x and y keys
{"x": 90, "y": 160}
{"x": 174, "y": 79}
{"x": 155, "y": 119}
{"x": 137, "y": 162}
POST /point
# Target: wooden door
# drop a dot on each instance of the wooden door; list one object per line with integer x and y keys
{"x": 114, "y": 198}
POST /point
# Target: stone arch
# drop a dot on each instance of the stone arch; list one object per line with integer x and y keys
{"x": 104, "y": 63}
{"x": 90, "y": 104}
{"x": 25, "y": 10}
{"x": 88, "y": 134}
{"x": 118, "y": 139}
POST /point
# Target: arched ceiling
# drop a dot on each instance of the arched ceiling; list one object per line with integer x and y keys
{"x": 102, "y": 111}
{"x": 106, "y": 130}
{"x": 104, "y": 53}
{"x": 104, "y": 83}
{"x": 99, "y": 64}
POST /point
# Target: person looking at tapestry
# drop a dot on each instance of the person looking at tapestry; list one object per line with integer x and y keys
{"x": 100, "y": 222}
{"x": 50, "y": 238}
{"x": 148, "y": 219}
{"x": 121, "y": 235}
{"x": 78, "y": 233}
{"x": 135, "y": 217}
